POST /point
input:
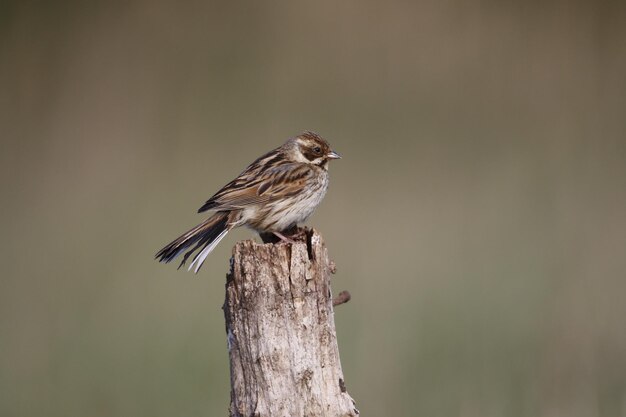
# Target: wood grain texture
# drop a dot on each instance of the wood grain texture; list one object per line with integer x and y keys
{"x": 282, "y": 343}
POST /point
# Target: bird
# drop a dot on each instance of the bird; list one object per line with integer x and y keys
{"x": 271, "y": 196}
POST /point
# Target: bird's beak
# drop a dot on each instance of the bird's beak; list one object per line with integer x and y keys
{"x": 334, "y": 155}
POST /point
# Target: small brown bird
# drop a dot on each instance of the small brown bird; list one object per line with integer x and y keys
{"x": 275, "y": 193}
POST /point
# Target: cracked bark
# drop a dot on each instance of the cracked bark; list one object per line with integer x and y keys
{"x": 284, "y": 359}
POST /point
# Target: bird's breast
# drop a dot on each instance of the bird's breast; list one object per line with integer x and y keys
{"x": 283, "y": 213}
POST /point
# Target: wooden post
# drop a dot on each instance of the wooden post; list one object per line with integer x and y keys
{"x": 284, "y": 359}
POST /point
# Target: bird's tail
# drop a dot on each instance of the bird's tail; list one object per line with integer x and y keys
{"x": 204, "y": 236}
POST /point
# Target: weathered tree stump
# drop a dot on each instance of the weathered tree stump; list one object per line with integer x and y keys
{"x": 284, "y": 359}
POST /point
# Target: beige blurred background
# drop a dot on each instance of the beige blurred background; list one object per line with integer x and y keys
{"x": 478, "y": 216}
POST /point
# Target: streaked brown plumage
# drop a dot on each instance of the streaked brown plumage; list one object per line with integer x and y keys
{"x": 275, "y": 193}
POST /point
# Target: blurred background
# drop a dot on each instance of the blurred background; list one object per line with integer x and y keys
{"x": 478, "y": 216}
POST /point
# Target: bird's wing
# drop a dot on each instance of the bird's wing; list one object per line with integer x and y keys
{"x": 259, "y": 185}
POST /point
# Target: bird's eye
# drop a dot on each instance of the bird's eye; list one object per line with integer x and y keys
{"x": 317, "y": 149}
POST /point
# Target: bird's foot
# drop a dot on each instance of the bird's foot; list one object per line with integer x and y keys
{"x": 291, "y": 235}
{"x": 284, "y": 238}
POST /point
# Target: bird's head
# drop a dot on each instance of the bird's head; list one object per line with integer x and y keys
{"x": 311, "y": 148}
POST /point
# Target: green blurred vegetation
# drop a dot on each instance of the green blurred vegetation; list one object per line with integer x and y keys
{"x": 478, "y": 216}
